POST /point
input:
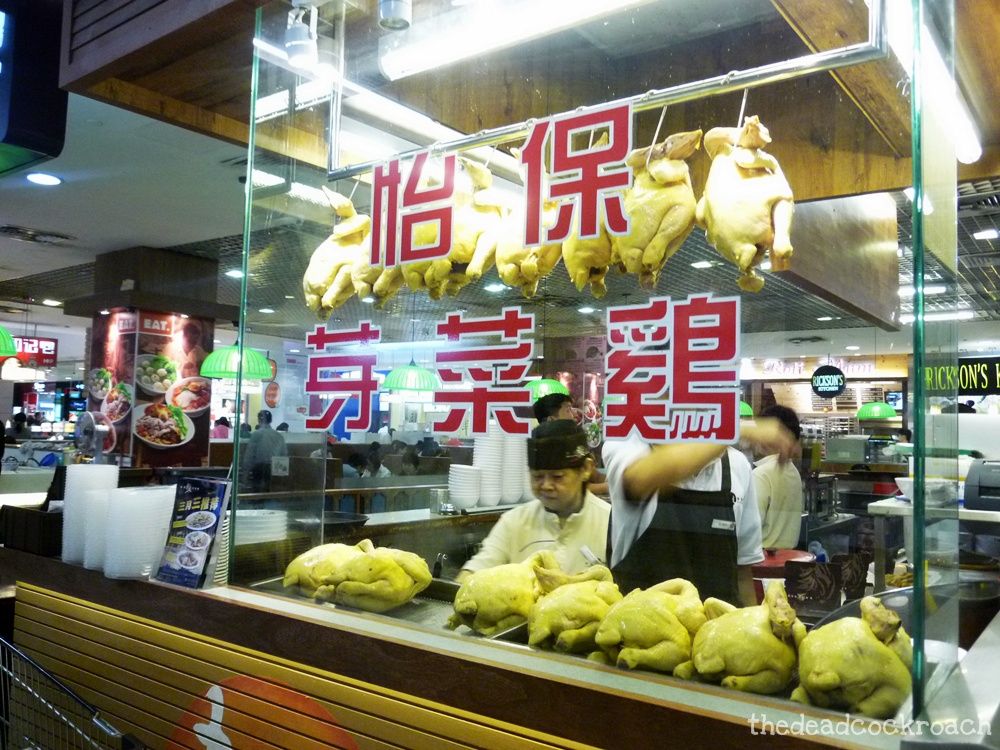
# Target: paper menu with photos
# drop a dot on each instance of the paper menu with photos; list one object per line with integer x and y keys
{"x": 199, "y": 508}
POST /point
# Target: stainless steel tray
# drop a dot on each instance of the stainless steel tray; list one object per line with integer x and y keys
{"x": 431, "y": 608}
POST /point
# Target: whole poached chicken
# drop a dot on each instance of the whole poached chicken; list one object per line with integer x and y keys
{"x": 857, "y": 664}
{"x": 568, "y": 614}
{"x": 327, "y": 282}
{"x": 495, "y": 599}
{"x": 749, "y": 648}
{"x": 479, "y": 210}
{"x": 372, "y": 578}
{"x": 642, "y": 631}
{"x": 746, "y": 209}
{"x": 587, "y": 259}
{"x": 660, "y": 207}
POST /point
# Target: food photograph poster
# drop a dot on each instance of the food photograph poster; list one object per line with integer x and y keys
{"x": 144, "y": 380}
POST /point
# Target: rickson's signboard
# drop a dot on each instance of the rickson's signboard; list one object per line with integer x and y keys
{"x": 974, "y": 376}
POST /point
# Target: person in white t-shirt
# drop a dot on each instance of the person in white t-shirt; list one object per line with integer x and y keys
{"x": 778, "y": 487}
{"x": 639, "y": 473}
{"x": 565, "y": 518}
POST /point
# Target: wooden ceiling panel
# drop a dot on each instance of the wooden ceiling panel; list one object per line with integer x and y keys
{"x": 977, "y": 29}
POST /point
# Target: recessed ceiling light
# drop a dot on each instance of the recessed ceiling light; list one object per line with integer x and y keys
{"x": 80, "y": 367}
{"x": 852, "y": 348}
{"x": 289, "y": 296}
{"x": 702, "y": 264}
{"x": 43, "y": 178}
{"x": 184, "y": 316}
{"x": 825, "y": 318}
{"x": 986, "y": 234}
{"x": 494, "y": 288}
{"x": 234, "y": 273}
{"x": 216, "y": 341}
{"x": 368, "y": 300}
{"x": 51, "y": 302}
{"x": 585, "y": 310}
{"x": 293, "y": 351}
{"x": 266, "y": 310}
{"x": 105, "y": 312}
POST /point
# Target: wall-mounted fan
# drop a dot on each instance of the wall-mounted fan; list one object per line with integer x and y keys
{"x": 94, "y": 435}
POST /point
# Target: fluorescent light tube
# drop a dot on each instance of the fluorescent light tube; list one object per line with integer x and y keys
{"x": 479, "y": 28}
{"x": 932, "y": 317}
{"x": 909, "y": 291}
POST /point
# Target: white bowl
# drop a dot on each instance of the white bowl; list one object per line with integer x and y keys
{"x": 156, "y": 388}
{"x": 463, "y": 501}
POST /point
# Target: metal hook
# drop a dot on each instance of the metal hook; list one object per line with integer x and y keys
{"x": 353, "y": 190}
{"x": 743, "y": 108}
{"x": 656, "y": 134}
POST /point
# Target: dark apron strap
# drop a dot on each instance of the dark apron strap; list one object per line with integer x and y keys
{"x": 692, "y": 535}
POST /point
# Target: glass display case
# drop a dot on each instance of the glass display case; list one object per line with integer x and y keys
{"x": 450, "y": 206}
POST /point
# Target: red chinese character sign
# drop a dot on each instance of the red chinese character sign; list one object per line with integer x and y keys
{"x": 588, "y": 182}
{"x": 672, "y": 370}
{"x": 339, "y": 377}
{"x": 402, "y": 208}
{"x": 496, "y": 371}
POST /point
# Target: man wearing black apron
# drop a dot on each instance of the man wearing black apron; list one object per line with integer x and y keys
{"x": 688, "y": 511}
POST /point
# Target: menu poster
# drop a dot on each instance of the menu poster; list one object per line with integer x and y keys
{"x": 110, "y": 392}
{"x": 199, "y": 507}
{"x": 171, "y": 421}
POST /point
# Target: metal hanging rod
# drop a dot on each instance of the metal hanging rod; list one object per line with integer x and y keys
{"x": 875, "y": 48}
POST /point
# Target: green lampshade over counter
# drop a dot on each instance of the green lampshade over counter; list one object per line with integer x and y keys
{"x": 411, "y": 377}
{"x": 224, "y": 362}
{"x": 7, "y": 348}
{"x": 876, "y": 410}
{"x": 745, "y": 409}
{"x": 544, "y": 387}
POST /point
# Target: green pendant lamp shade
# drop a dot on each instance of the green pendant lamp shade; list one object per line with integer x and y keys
{"x": 545, "y": 386}
{"x": 745, "y": 409}
{"x": 876, "y": 410}
{"x": 224, "y": 362}
{"x": 7, "y": 348}
{"x": 411, "y": 377}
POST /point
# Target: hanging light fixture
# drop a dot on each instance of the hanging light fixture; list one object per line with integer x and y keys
{"x": 544, "y": 387}
{"x": 224, "y": 363}
{"x": 301, "y": 36}
{"x": 411, "y": 377}
{"x": 7, "y": 348}
{"x": 745, "y": 409}
{"x": 876, "y": 410}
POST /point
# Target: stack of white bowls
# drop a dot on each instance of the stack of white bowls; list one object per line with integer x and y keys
{"x": 487, "y": 454}
{"x": 463, "y": 485}
{"x": 515, "y": 468}
{"x": 259, "y": 526}
{"x": 80, "y": 478}
{"x": 137, "y": 529}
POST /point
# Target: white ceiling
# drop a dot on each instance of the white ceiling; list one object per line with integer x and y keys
{"x": 128, "y": 180}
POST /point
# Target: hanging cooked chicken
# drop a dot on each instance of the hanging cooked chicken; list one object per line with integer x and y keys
{"x": 495, "y": 599}
{"x": 642, "y": 632}
{"x": 587, "y": 260}
{"x": 520, "y": 266}
{"x": 857, "y": 664}
{"x": 567, "y": 616}
{"x": 746, "y": 209}
{"x": 660, "y": 206}
{"x": 381, "y": 579}
{"x": 750, "y": 648}
{"x": 479, "y": 210}
{"x": 376, "y": 281}
{"x": 327, "y": 282}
